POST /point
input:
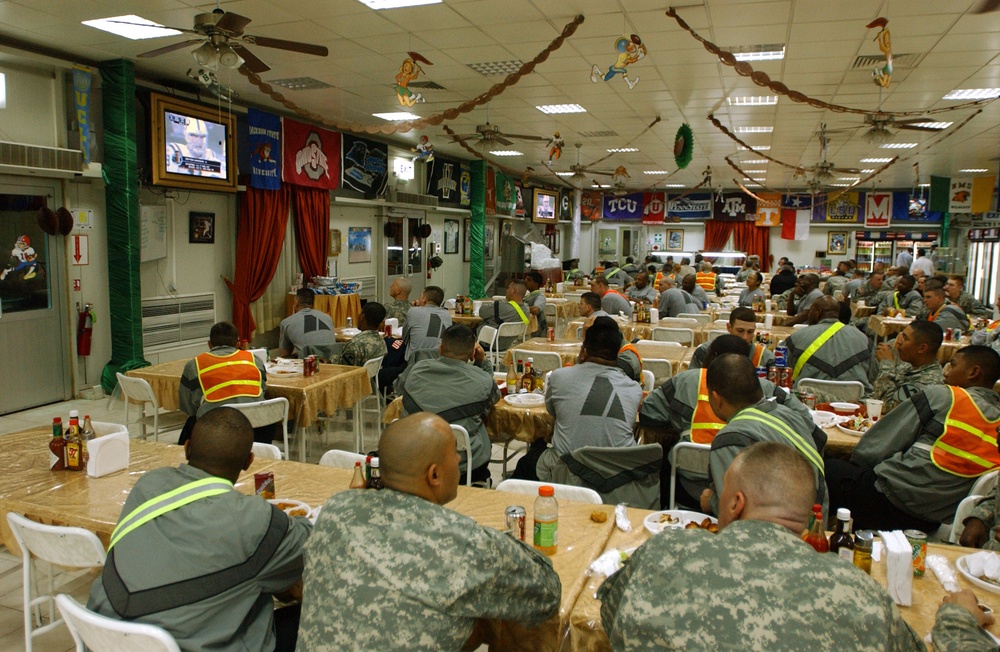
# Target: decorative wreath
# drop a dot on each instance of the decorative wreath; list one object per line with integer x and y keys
{"x": 683, "y": 146}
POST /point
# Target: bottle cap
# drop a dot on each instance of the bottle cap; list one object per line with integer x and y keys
{"x": 374, "y": 462}
{"x": 546, "y": 491}
{"x": 843, "y": 514}
{"x": 56, "y": 420}
{"x": 73, "y": 414}
{"x": 357, "y": 464}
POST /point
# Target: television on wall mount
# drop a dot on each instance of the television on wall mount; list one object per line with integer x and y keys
{"x": 192, "y": 146}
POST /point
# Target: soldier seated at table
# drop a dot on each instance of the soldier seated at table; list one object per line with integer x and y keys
{"x": 513, "y": 310}
{"x": 852, "y": 286}
{"x": 393, "y": 365}
{"x": 756, "y": 575}
{"x": 674, "y": 301}
{"x": 535, "y": 300}
{"x": 828, "y": 349}
{"x": 395, "y": 569}
{"x": 804, "y": 294}
{"x": 222, "y": 376}
{"x": 590, "y": 305}
{"x": 752, "y": 291}
{"x": 940, "y": 310}
{"x": 869, "y": 288}
{"x": 594, "y": 403}
{"x": 400, "y": 305}
{"x": 838, "y": 280}
{"x": 305, "y": 326}
{"x": 459, "y": 392}
{"x": 641, "y": 291}
{"x": 982, "y": 526}
{"x": 629, "y": 359}
{"x": 970, "y": 305}
{"x": 194, "y": 556}
{"x": 612, "y": 302}
{"x": 908, "y": 365}
{"x": 914, "y": 466}
{"x": 368, "y": 344}
{"x": 424, "y": 324}
{"x": 904, "y": 300}
{"x": 743, "y": 324}
{"x": 690, "y": 285}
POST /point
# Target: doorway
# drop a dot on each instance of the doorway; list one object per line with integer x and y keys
{"x": 403, "y": 251}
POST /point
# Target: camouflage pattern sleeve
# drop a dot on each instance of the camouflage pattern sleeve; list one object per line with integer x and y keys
{"x": 362, "y": 348}
{"x": 956, "y": 630}
{"x": 890, "y": 377}
{"x": 986, "y": 510}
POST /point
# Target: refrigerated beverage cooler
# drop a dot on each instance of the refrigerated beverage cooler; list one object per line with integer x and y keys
{"x": 882, "y": 246}
{"x": 984, "y": 264}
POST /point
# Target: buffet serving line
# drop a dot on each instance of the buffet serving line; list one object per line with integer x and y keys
{"x": 75, "y": 499}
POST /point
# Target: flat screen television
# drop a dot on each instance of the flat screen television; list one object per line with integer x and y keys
{"x": 545, "y": 208}
{"x": 193, "y": 146}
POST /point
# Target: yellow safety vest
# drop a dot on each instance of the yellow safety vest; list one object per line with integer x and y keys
{"x": 520, "y": 312}
{"x": 812, "y": 348}
{"x": 168, "y": 502}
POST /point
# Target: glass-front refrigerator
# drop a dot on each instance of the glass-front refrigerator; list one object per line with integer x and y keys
{"x": 984, "y": 264}
{"x": 882, "y": 246}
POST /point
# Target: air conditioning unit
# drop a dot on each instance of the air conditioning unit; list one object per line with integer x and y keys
{"x": 18, "y": 158}
{"x": 414, "y": 198}
{"x": 173, "y": 322}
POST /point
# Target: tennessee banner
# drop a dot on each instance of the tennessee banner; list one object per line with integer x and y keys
{"x": 265, "y": 149}
{"x": 654, "y": 207}
{"x": 768, "y": 210}
{"x": 310, "y": 155}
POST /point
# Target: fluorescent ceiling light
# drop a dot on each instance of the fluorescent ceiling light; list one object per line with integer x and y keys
{"x": 759, "y": 148}
{"x": 754, "y": 130}
{"x": 932, "y": 125}
{"x": 655, "y": 172}
{"x": 140, "y": 29}
{"x": 875, "y": 160}
{"x": 972, "y": 94}
{"x": 396, "y": 4}
{"x": 755, "y": 171}
{"x": 974, "y": 170}
{"x": 898, "y": 146}
{"x": 753, "y": 100}
{"x": 507, "y": 152}
{"x": 673, "y": 185}
{"x": 3, "y": 91}
{"x": 868, "y": 171}
{"x": 759, "y": 53}
{"x": 841, "y": 185}
{"x": 397, "y": 116}
{"x": 561, "y": 108}
{"x": 623, "y": 150}
{"x": 564, "y": 174}
{"x": 605, "y": 185}
{"x": 924, "y": 185}
{"x": 848, "y": 178}
{"x": 755, "y": 161}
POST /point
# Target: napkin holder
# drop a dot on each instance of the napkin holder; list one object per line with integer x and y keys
{"x": 560, "y": 287}
{"x": 108, "y": 454}
{"x": 898, "y": 567}
{"x": 654, "y": 316}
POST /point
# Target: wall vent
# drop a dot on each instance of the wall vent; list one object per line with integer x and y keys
{"x": 171, "y": 322}
{"x": 18, "y": 158}
{"x": 414, "y": 198}
{"x": 368, "y": 290}
{"x": 869, "y": 61}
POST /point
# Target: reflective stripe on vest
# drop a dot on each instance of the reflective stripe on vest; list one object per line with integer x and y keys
{"x": 968, "y": 445}
{"x": 758, "y": 355}
{"x": 705, "y": 280}
{"x": 229, "y": 376}
{"x": 520, "y": 312}
{"x": 628, "y": 347}
{"x": 812, "y": 348}
{"x": 614, "y": 271}
{"x": 895, "y": 299}
{"x": 705, "y": 424}
{"x": 783, "y": 429}
{"x": 168, "y": 502}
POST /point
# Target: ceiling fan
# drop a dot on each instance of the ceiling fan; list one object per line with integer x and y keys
{"x": 222, "y": 40}
{"x": 580, "y": 172}
{"x": 489, "y": 135}
{"x": 825, "y": 169}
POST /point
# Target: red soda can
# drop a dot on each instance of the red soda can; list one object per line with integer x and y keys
{"x": 263, "y": 484}
{"x": 552, "y": 333}
{"x": 309, "y": 366}
{"x": 785, "y": 377}
{"x": 772, "y": 373}
{"x": 388, "y": 330}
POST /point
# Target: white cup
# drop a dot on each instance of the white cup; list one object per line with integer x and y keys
{"x": 767, "y": 306}
{"x": 861, "y": 303}
{"x": 476, "y": 305}
{"x": 768, "y": 321}
{"x": 560, "y": 287}
{"x": 654, "y": 316}
{"x": 874, "y": 407}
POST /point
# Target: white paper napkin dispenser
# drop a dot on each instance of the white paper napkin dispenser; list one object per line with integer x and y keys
{"x": 898, "y": 567}
{"x": 108, "y": 454}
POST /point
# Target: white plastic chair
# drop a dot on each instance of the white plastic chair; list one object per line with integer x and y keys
{"x": 720, "y": 323}
{"x": 488, "y": 339}
{"x": 516, "y": 329}
{"x": 679, "y": 322}
{"x": 101, "y": 634}
{"x": 465, "y": 444}
{"x": 692, "y": 459}
{"x": 982, "y": 486}
{"x": 543, "y": 360}
{"x": 684, "y": 336}
{"x": 362, "y": 409}
{"x": 339, "y": 459}
{"x": 139, "y": 391}
{"x": 648, "y": 380}
{"x": 700, "y": 317}
{"x": 265, "y": 413}
{"x": 260, "y": 354}
{"x": 265, "y": 451}
{"x": 661, "y": 369}
{"x": 723, "y": 316}
{"x": 714, "y": 333}
{"x": 562, "y": 491}
{"x": 833, "y": 390}
{"x": 552, "y": 315}
{"x": 64, "y": 546}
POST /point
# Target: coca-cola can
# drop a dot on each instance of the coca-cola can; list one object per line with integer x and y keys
{"x": 552, "y": 333}
{"x": 515, "y": 519}
{"x": 785, "y": 377}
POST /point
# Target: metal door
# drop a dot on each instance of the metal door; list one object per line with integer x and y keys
{"x": 403, "y": 252}
{"x": 33, "y": 333}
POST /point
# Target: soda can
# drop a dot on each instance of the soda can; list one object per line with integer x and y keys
{"x": 785, "y": 377}
{"x": 309, "y": 366}
{"x": 350, "y": 322}
{"x": 762, "y": 372}
{"x": 552, "y": 333}
{"x": 263, "y": 484}
{"x": 918, "y": 540}
{"x": 781, "y": 355}
{"x": 388, "y": 330}
{"x": 515, "y": 518}
{"x": 772, "y": 373}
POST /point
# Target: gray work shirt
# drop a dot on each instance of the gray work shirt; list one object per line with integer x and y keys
{"x": 594, "y": 405}
{"x": 423, "y": 329}
{"x": 613, "y": 303}
{"x": 306, "y": 327}
{"x": 537, "y": 299}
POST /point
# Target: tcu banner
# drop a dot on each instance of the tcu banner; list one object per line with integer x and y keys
{"x": 623, "y": 208}
{"x": 310, "y": 155}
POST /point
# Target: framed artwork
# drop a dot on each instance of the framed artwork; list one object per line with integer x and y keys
{"x": 359, "y": 244}
{"x": 506, "y": 228}
{"x": 468, "y": 249}
{"x": 836, "y": 243}
{"x": 607, "y": 242}
{"x": 336, "y": 242}
{"x": 489, "y": 239}
{"x": 451, "y": 236}
{"x": 201, "y": 227}
{"x": 675, "y": 240}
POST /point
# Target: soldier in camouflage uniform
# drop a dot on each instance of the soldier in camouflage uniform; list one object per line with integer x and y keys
{"x": 916, "y": 368}
{"x": 394, "y": 569}
{"x": 757, "y": 586}
{"x": 970, "y": 305}
{"x": 368, "y": 344}
{"x": 400, "y": 304}
{"x": 869, "y": 288}
{"x": 837, "y": 280}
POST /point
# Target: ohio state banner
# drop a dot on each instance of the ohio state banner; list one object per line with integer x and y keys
{"x": 310, "y": 155}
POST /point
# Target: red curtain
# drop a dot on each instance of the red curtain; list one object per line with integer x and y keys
{"x": 312, "y": 229}
{"x": 717, "y": 234}
{"x": 260, "y": 233}
{"x": 753, "y": 239}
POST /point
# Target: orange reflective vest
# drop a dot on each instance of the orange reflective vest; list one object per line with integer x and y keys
{"x": 628, "y": 347}
{"x": 968, "y": 445}
{"x": 704, "y": 423}
{"x": 705, "y": 280}
{"x": 758, "y": 354}
{"x": 223, "y": 377}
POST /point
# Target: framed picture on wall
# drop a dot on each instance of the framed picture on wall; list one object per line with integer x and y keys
{"x": 489, "y": 239}
{"x": 201, "y": 227}
{"x": 607, "y": 242}
{"x": 836, "y": 243}
{"x": 359, "y": 244}
{"x": 675, "y": 240}
{"x": 451, "y": 236}
{"x": 506, "y": 228}
{"x": 468, "y": 249}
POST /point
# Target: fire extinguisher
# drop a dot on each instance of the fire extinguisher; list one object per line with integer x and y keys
{"x": 84, "y": 330}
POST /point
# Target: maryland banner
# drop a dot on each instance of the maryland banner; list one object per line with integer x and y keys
{"x": 310, "y": 155}
{"x": 365, "y": 165}
{"x": 768, "y": 210}
{"x": 654, "y": 207}
{"x": 734, "y": 207}
{"x": 590, "y": 205}
{"x": 878, "y": 209}
{"x": 265, "y": 149}
{"x": 623, "y": 207}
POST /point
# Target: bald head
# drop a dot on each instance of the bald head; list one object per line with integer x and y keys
{"x": 401, "y": 288}
{"x": 220, "y": 443}
{"x": 776, "y": 484}
{"x": 825, "y": 307}
{"x": 416, "y": 454}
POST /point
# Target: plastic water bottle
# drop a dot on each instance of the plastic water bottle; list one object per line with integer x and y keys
{"x": 546, "y": 514}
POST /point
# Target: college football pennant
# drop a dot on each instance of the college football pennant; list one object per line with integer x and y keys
{"x": 623, "y": 207}
{"x": 310, "y": 155}
{"x": 590, "y": 205}
{"x": 265, "y": 149}
{"x": 443, "y": 178}
{"x": 365, "y": 165}
{"x": 878, "y": 209}
{"x": 734, "y": 207}
{"x": 768, "y": 209}
{"x": 654, "y": 207}
{"x": 696, "y": 206}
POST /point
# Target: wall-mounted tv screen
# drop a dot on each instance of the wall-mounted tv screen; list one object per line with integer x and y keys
{"x": 192, "y": 146}
{"x": 546, "y": 206}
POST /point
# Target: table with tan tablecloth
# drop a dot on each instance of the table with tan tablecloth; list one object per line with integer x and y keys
{"x": 568, "y": 350}
{"x": 504, "y": 423}
{"x": 882, "y": 326}
{"x": 473, "y": 321}
{"x": 338, "y": 306}
{"x": 778, "y": 317}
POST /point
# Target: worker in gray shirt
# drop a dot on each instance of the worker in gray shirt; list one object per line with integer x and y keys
{"x": 612, "y": 302}
{"x": 425, "y": 322}
{"x": 535, "y": 300}
{"x": 641, "y": 290}
{"x": 512, "y": 310}
{"x": 806, "y": 291}
{"x": 673, "y": 301}
{"x": 752, "y": 291}
{"x": 305, "y": 326}
{"x": 690, "y": 285}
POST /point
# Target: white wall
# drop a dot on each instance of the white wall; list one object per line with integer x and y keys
{"x": 34, "y": 100}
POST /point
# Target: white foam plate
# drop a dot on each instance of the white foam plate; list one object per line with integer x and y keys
{"x": 962, "y": 563}
{"x": 653, "y": 524}
{"x": 824, "y": 419}
{"x": 350, "y": 331}
{"x": 288, "y": 505}
{"x": 856, "y": 433}
{"x": 525, "y": 400}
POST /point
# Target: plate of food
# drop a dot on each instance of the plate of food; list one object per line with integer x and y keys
{"x": 980, "y": 569}
{"x": 291, "y": 507}
{"x": 678, "y": 519}
{"x": 528, "y": 399}
{"x": 857, "y": 425}
{"x": 824, "y": 419}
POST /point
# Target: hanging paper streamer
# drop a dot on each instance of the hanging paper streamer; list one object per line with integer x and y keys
{"x": 408, "y": 71}
{"x": 630, "y": 49}
{"x": 683, "y": 146}
{"x": 882, "y": 75}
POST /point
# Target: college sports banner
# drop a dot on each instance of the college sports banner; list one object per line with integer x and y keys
{"x": 491, "y": 191}
{"x": 443, "y": 175}
{"x": 695, "y": 206}
{"x": 265, "y": 149}
{"x": 843, "y": 210}
{"x": 565, "y": 204}
{"x": 365, "y": 165}
{"x": 654, "y": 207}
{"x": 465, "y": 185}
{"x": 506, "y": 197}
{"x": 768, "y": 210}
{"x": 623, "y": 208}
{"x": 590, "y": 205}
{"x": 734, "y": 207}
{"x": 523, "y": 199}
{"x": 81, "y": 97}
{"x": 878, "y": 209}
{"x": 310, "y": 156}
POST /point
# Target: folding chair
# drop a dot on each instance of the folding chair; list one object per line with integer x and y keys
{"x": 661, "y": 369}
{"x": 139, "y": 391}
{"x": 833, "y": 390}
{"x": 692, "y": 459}
{"x": 464, "y": 444}
{"x": 543, "y": 360}
{"x": 101, "y": 634}
{"x": 552, "y": 315}
{"x": 562, "y": 491}
{"x": 516, "y": 330}
{"x": 714, "y": 333}
{"x": 265, "y": 413}
{"x": 265, "y": 451}
{"x": 983, "y": 485}
{"x": 700, "y": 317}
{"x": 339, "y": 459}
{"x": 488, "y": 340}
{"x": 362, "y": 409}
{"x": 684, "y": 336}
{"x": 648, "y": 380}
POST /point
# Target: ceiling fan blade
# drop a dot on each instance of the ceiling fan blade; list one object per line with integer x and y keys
{"x": 251, "y": 61}
{"x": 526, "y": 137}
{"x": 986, "y": 6}
{"x": 601, "y": 173}
{"x": 456, "y": 137}
{"x": 292, "y": 46}
{"x": 170, "y": 48}
{"x": 917, "y": 128}
{"x": 502, "y": 140}
{"x": 232, "y": 23}
{"x": 846, "y": 170}
{"x": 163, "y": 27}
